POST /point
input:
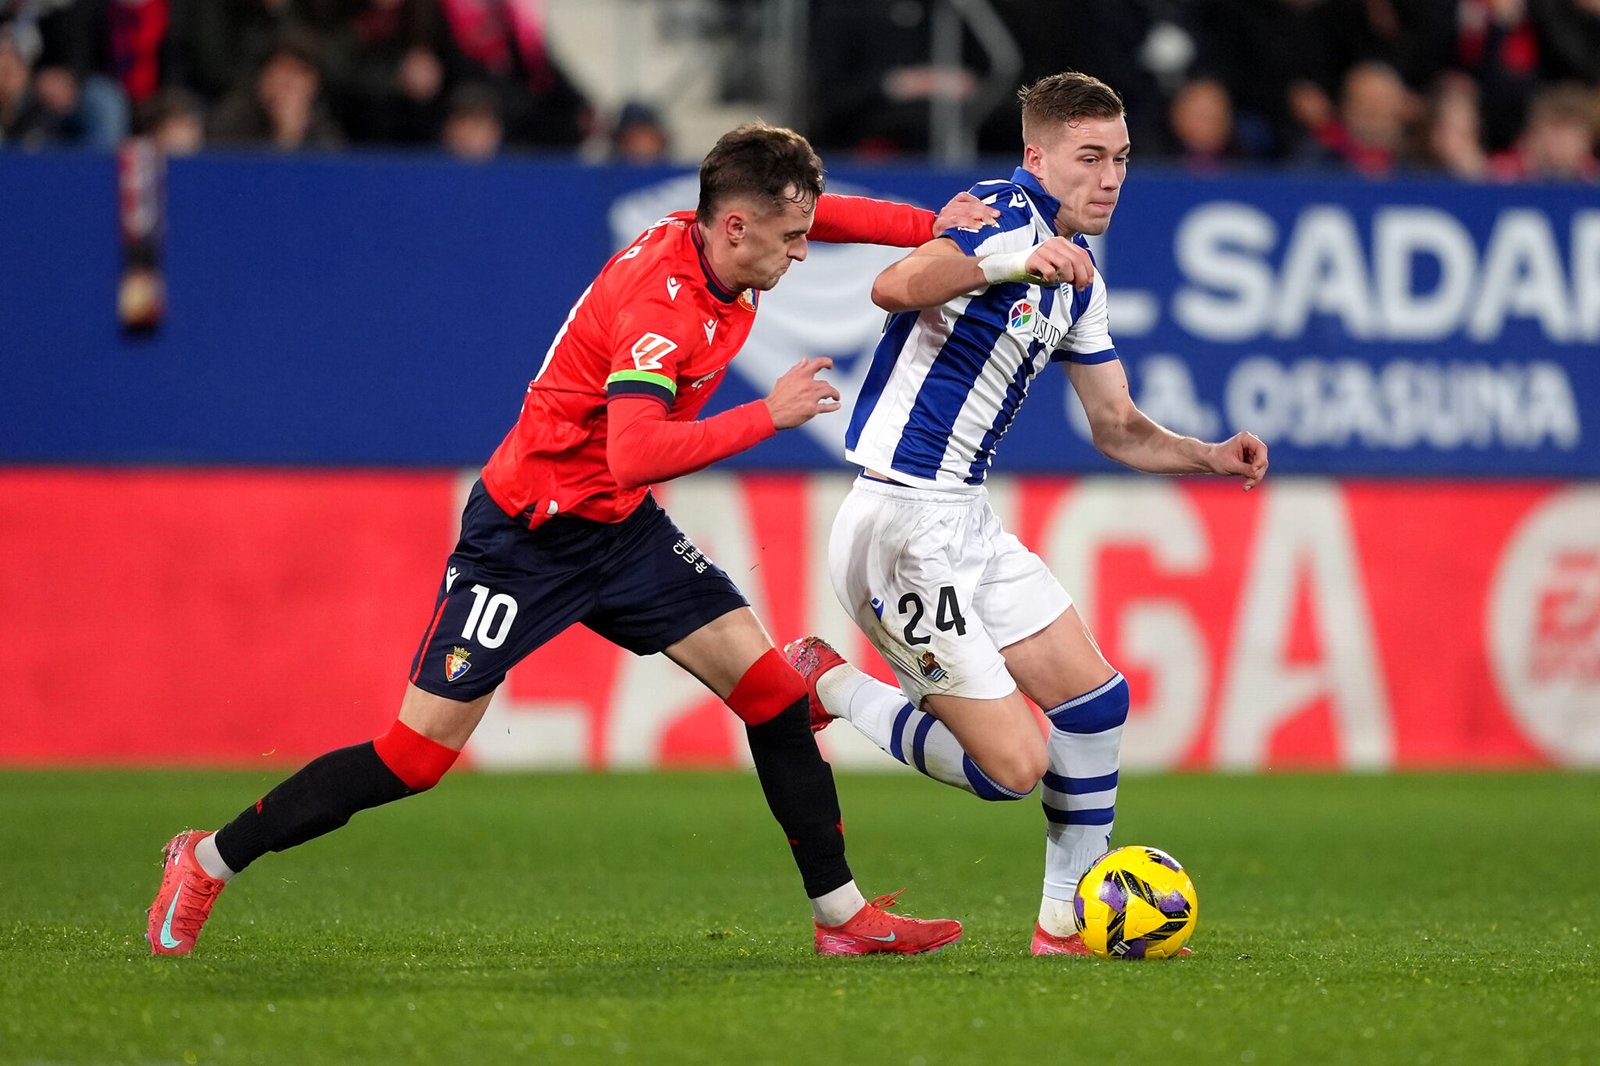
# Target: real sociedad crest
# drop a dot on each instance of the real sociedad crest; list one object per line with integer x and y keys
{"x": 455, "y": 664}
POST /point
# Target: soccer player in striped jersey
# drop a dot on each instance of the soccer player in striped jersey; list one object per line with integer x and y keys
{"x": 562, "y": 530}
{"x": 969, "y": 619}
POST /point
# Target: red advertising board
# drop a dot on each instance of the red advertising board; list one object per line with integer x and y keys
{"x": 249, "y": 618}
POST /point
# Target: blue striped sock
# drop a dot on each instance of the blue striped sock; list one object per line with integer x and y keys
{"x": 1080, "y": 788}
{"x": 926, "y": 744}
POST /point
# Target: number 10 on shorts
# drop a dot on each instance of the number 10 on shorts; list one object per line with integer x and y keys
{"x": 489, "y": 621}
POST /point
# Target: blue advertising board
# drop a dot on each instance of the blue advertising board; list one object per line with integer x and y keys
{"x": 388, "y": 311}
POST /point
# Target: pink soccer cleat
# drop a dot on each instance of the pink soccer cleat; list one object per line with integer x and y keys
{"x": 874, "y": 929}
{"x": 183, "y": 903}
{"x": 1049, "y": 944}
{"x": 813, "y": 657}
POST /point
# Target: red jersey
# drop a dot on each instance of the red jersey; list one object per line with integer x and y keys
{"x": 656, "y": 323}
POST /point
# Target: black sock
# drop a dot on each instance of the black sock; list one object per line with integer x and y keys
{"x": 798, "y": 784}
{"x": 318, "y": 799}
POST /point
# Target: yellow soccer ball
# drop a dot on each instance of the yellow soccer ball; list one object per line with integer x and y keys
{"x": 1135, "y": 903}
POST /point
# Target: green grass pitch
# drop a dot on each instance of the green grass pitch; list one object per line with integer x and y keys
{"x": 657, "y": 918}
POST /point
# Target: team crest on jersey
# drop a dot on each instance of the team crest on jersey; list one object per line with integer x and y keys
{"x": 455, "y": 664}
{"x": 1019, "y": 319}
{"x": 930, "y": 667}
{"x": 747, "y": 299}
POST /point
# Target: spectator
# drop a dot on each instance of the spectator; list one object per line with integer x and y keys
{"x": 282, "y": 105}
{"x": 22, "y": 121}
{"x": 1497, "y": 45}
{"x": 1569, "y": 39}
{"x": 1369, "y": 132}
{"x": 1200, "y": 132}
{"x": 503, "y": 42}
{"x": 872, "y": 82}
{"x": 639, "y": 136}
{"x": 174, "y": 120}
{"x": 1559, "y": 141}
{"x": 78, "y": 101}
{"x": 472, "y": 126}
{"x": 386, "y": 81}
{"x": 216, "y": 44}
{"x": 1452, "y": 134}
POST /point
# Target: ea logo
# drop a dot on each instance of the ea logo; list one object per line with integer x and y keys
{"x": 1020, "y": 318}
{"x": 1544, "y": 626}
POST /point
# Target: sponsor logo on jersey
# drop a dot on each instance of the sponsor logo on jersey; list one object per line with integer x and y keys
{"x": 877, "y": 608}
{"x": 697, "y": 382}
{"x": 649, "y": 349}
{"x": 1019, "y": 319}
{"x": 673, "y": 285}
{"x": 711, "y": 329}
{"x": 455, "y": 664}
{"x": 450, "y": 576}
{"x": 930, "y": 667}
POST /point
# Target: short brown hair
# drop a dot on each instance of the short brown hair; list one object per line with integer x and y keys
{"x": 1065, "y": 98}
{"x": 766, "y": 163}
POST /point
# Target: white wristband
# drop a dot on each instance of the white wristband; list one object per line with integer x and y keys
{"x": 1007, "y": 266}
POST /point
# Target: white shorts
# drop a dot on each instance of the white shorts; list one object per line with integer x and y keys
{"x": 938, "y": 586}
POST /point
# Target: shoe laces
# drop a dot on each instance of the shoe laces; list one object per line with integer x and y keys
{"x": 884, "y": 902}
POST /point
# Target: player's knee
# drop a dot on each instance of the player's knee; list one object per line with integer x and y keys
{"x": 1018, "y": 773}
{"x": 416, "y": 760}
{"x": 767, "y": 689}
{"x": 1016, "y": 769}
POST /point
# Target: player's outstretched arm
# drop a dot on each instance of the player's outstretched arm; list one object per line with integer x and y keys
{"x": 861, "y": 220}
{"x": 1126, "y": 434}
{"x": 940, "y": 271}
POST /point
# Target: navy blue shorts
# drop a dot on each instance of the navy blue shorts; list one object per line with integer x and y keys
{"x": 640, "y": 583}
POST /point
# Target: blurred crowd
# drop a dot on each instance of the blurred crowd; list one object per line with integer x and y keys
{"x": 1478, "y": 89}
{"x": 473, "y": 77}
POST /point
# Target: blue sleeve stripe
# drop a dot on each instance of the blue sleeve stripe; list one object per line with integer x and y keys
{"x": 1061, "y": 355}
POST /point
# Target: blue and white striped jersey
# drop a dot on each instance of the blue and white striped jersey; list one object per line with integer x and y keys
{"x": 945, "y": 383}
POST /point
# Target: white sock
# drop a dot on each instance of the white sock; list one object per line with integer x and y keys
{"x": 1056, "y": 918}
{"x": 838, "y": 688}
{"x": 1080, "y": 788}
{"x": 916, "y": 738}
{"x": 838, "y": 906}
{"x": 210, "y": 860}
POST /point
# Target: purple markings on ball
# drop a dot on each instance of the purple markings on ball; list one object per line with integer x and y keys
{"x": 1163, "y": 858}
{"x": 1173, "y": 904}
{"x": 1112, "y": 895}
{"x": 1135, "y": 949}
{"x": 1077, "y": 908}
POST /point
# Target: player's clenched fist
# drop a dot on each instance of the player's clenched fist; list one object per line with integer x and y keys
{"x": 800, "y": 395}
{"x": 1242, "y": 455}
{"x": 1057, "y": 261}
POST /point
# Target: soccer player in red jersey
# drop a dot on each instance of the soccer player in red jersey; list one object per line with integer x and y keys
{"x": 562, "y": 530}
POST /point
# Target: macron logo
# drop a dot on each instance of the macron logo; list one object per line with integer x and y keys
{"x": 450, "y": 576}
{"x": 711, "y": 329}
{"x": 673, "y": 284}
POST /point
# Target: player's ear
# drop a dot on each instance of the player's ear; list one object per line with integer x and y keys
{"x": 733, "y": 226}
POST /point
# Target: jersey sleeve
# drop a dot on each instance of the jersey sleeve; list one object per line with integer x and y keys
{"x": 1089, "y": 339}
{"x": 643, "y": 447}
{"x": 1013, "y": 229}
{"x": 861, "y": 220}
{"x": 648, "y": 342}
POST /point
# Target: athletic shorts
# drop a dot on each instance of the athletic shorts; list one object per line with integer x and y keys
{"x": 938, "y": 586}
{"x": 640, "y": 583}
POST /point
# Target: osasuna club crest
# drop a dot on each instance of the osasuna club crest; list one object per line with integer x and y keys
{"x": 455, "y": 664}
